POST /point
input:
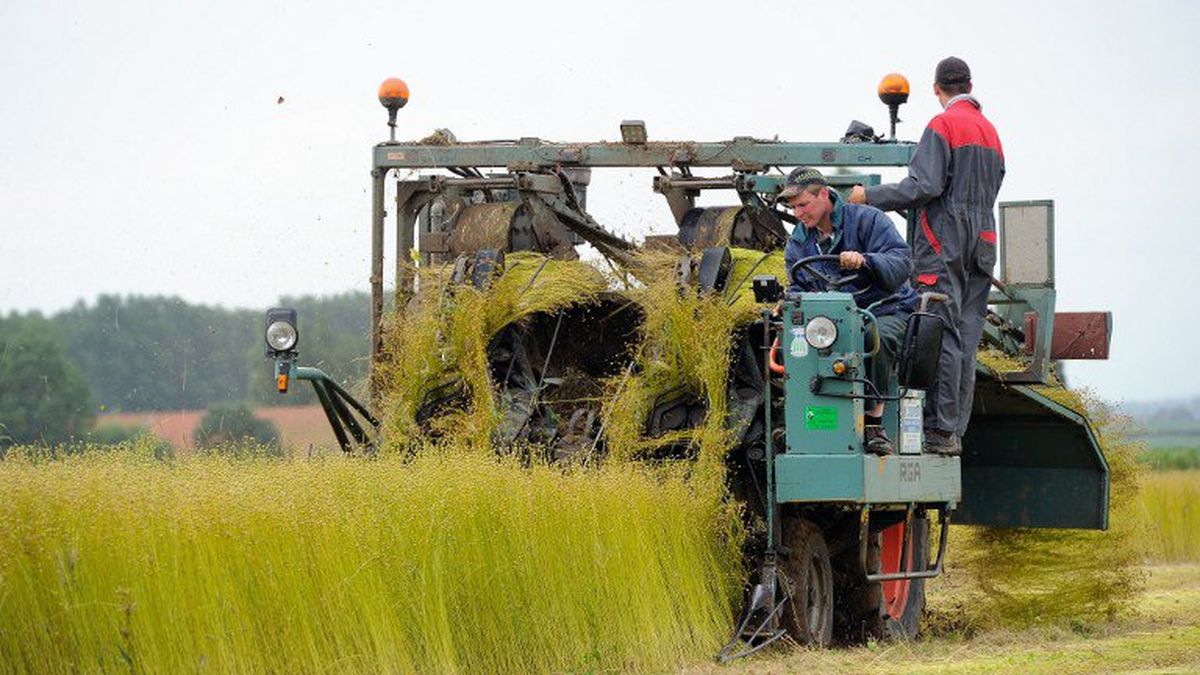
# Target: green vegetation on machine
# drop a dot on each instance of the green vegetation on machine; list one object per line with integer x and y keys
{"x": 845, "y": 543}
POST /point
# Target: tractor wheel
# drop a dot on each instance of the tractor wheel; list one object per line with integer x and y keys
{"x": 889, "y": 610}
{"x": 903, "y": 602}
{"x": 809, "y": 581}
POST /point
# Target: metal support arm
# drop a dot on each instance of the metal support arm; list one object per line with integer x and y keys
{"x": 337, "y": 402}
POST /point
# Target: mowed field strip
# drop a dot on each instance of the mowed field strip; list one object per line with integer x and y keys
{"x": 1161, "y": 634}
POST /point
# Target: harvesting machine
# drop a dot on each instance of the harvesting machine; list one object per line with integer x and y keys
{"x": 846, "y": 534}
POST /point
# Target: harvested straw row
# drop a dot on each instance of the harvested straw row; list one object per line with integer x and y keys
{"x": 1025, "y": 576}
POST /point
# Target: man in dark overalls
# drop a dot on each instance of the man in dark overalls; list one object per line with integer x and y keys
{"x": 952, "y": 183}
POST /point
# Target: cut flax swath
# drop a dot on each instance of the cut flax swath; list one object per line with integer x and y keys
{"x": 1023, "y": 576}
{"x": 686, "y": 343}
{"x": 442, "y": 337}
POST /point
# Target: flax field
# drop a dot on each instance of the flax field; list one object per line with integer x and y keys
{"x": 115, "y": 562}
{"x": 444, "y": 553}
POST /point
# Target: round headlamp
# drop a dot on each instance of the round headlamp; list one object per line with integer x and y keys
{"x": 281, "y": 336}
{"x": 821, "y": 332}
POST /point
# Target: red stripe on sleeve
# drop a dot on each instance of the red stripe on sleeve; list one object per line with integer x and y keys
{"x": 988, "y": 235}
{"x": 937, "y": 245}
{"x": 927, "y": 279}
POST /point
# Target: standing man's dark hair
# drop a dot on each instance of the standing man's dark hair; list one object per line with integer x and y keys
{"x": 952, "y": 183}
{"x": 953, "y": 76}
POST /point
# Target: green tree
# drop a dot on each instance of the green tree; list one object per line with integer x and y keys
{"x": 43, "y": 396}
{"x": 160, "y": 353}
{"x": 234, "y": 424}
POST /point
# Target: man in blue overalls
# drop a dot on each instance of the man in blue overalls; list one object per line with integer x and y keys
{"x": 866, "y": 241}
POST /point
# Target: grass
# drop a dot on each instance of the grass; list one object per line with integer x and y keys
{"x": 453, "y": 562}
{"x": 685, "y": 345}
{"x": 441, "y": 557}
{"x": 1171, "y": 458}
{"x": 1160, "y": 634}
{"x": 441, "y": 340}
{"x": 1170, "y": 513}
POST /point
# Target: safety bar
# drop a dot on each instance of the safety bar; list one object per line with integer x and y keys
{"x": 943, "y": 538}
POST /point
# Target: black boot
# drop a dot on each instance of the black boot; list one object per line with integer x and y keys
{"x": 944, "y": 443}
{"x": 877, "y": 442}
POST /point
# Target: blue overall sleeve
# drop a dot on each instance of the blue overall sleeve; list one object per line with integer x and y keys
{"x": 888, "y": 255}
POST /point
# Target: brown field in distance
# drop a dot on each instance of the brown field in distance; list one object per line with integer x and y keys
{"x": 299, "y": 426}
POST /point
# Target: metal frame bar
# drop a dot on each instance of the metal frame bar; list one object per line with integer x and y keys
{"x": 944, "y": 514}
{"x": 378, "y": 215}
{"x": 742, "y": 153}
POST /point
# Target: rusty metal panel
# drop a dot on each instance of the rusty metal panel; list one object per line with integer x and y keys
{"x": 1030, "y": 332}
{"x": 1077, "y": 335}
{"x": 483, "y": 226}
{"x": 1081, "y": 335}
{"x": 433, "y": 242}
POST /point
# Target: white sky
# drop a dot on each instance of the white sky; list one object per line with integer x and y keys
{"x": 142, "y": 149}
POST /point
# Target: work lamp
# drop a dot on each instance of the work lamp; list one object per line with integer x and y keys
{"x": 281, "y": 334}
{"x": 821, "y": 332}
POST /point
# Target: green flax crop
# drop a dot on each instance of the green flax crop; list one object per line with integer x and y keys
{"x": 115, "y": 562}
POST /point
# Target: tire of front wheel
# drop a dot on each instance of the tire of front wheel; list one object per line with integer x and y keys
{"x": 809, "y": 581}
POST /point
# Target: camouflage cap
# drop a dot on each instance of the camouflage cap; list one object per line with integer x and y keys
{"x": 800, "y": 178}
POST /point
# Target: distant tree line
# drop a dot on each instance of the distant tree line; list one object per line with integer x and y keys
{"x": 44, "y": 398}
{"x": 139, "y": 353}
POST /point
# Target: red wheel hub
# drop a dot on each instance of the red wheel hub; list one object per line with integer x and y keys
{"x": 895, "y": 593}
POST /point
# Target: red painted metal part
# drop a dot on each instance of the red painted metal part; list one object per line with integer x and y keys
{"x": 772, "y": 358}
{"x": 895, "y": 593}
{"x": 1077, "y": 335}
{"x": 1081, "y": 335}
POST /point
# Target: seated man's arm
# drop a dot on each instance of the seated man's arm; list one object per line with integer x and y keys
{"x": 888, "y": 255}
{"x": 791, "y": 253}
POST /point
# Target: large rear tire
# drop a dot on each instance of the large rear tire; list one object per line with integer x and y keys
{"x": 902, "y": 603}
{"x": 890, "y": 610}
{"x": 808, "y": 618}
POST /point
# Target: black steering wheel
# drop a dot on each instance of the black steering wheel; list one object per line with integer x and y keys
{"x": 831, "y": 283}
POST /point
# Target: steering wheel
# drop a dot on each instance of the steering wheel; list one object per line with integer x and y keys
{"x": 830, "y": 282}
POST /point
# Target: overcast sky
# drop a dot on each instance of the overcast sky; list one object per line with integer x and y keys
{"x": 144, "y": 150}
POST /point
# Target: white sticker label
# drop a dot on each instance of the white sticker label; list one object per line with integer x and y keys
{"x": 799, "y": 348}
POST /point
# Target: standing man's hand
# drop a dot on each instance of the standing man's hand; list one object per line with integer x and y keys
{"x": 851, "y": 260}
{"x": 858, "y": 195}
